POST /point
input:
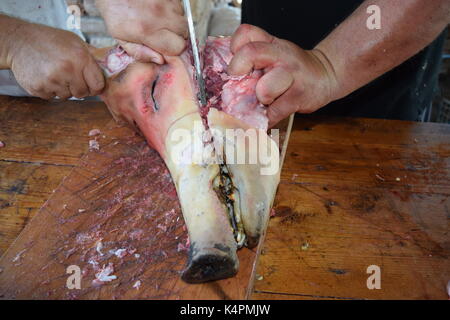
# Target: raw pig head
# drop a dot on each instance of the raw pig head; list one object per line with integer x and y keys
{"x": 225, "y": 203}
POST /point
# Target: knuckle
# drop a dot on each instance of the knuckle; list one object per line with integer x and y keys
{"x": 143, "y": 28}
{"x": 255, "y": 48}
{"x": 264, "y": 94}
{"x": 245, "y": 29}
{"x": 158, "y": 8}
{"x": 250, "y": 49}
{"x": 97, "y": 88}
{"x": 80, "y": 52}
{"x": 50, "y": 75}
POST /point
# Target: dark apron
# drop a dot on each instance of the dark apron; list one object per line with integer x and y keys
{"x": 402, "y": 93}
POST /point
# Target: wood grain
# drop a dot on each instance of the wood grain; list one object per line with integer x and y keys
{"x": 360, "y": 192}
{"x": 119, "y": 197}
{"x": 34, "y": 130}
{"x": 44, "y": 140}
{"x": 340, "y": 208}
{"x": 24, "y": 187}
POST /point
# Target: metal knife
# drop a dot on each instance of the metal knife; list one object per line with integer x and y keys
{"x": 193, "y": 38}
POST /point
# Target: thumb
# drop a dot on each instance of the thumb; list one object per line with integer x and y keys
{"x": 247, "y": 33}
{"x": 282, "y": 108}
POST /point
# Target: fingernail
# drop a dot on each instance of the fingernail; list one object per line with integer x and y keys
{"x": 157, "y": 60}
{"x": 154, "y": 56}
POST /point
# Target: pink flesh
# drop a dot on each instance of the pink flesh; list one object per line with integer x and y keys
{"x": 115, "y": 61}
{"x": 160, "y": 98}
{"x": 233, "y": 95}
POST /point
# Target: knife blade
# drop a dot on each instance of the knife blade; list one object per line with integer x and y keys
{"x": 198, "y": 71}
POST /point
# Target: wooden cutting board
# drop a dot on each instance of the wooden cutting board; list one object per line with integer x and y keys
{"x": 116, "y": 210}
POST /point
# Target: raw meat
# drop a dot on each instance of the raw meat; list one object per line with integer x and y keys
{"x": 233, "y": 95}
{"x": 225, "y": 204}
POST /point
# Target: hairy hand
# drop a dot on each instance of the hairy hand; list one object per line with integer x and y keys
{"x": 49, "y": 62}
{"x": 295, "y": 80}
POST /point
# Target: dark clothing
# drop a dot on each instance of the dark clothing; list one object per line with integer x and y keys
{"x": 402, "y": 93}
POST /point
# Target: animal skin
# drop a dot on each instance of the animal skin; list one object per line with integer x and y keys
{"x": 225, "y": 204}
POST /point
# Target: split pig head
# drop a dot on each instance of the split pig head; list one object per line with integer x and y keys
{"x": 225, "y": 203}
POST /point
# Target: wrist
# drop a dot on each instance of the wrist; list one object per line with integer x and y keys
{"x": 11, "y": 39}
{"x": 328, "y": 82}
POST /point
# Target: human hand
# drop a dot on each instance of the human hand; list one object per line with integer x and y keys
{"x": 295, "y": 80}
{"x": 146, "y": 29}
{"x": 49, "y": 62}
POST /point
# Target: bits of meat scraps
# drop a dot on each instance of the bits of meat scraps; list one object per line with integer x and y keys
{"x": 2, "y": 144}
{"x": 19, "y": 256}
{"x": 137, "y": 284}
{"x": 181, "y": 247}
{"x": 185, "y": 246}
{"x": 104, "y": 275}
{"x": 120, "y": 253}
{"x": 94, "y": 132}
{"x": 99, "y": 247}
{"x": 94, "y": 145}
{"x": 162, "y": 227}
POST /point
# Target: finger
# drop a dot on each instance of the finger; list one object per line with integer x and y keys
{"x": 177, "y": 7}
{"x": 273, "y": 84}
{"x": 177, "y": 24}
{"x": 93, "y": 78}
{"x": 254, "y": 55}
{"x": 46, "y": 92}
{"x": 165, "y": 42}
{"x": 63, "y": 93}
{"x": 43, "y": 94}
{"x": 141, "y": 53}
{"x": 282, "y": 107}
{"x": 78, "y": 87}
{"x": 247, "y": 33}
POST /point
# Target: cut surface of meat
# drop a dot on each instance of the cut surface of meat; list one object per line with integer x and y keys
{"x": 233, "y": 95}
{"x": 225, "y": 204}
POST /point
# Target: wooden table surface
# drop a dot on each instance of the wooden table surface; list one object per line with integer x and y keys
{"x": 354, "y": 193}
